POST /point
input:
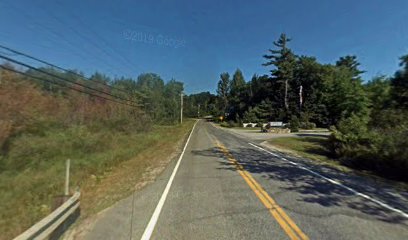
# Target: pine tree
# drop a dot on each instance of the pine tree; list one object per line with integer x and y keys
{"x": 237, "y": 94}
{"x": 223, "y": 90}
{"x": 399, "y": 85}
{"x": 350, "y": 62}
{"x": 285, "y": 62}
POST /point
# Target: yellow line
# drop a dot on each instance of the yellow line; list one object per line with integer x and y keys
{"x": 286, "y": 223}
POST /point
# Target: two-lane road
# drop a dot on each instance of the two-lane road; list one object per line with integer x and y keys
{"x": 227, "y": 187}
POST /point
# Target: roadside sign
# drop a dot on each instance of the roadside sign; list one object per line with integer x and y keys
{"x": 276, "y": 124}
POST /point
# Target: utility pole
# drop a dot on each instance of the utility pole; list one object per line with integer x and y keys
{"x": 181, "y": 108}
{"x": 198, "y": 111}
{"x": 67, "y": 166}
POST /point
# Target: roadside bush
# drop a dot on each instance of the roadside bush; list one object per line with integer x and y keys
{"x": 233, "y": 124}
{"x": 294, "y": 124}
{"x": 229, "y": 124}
{"x": 224, "y": 124}
{"x": 307, "y": 125}
{"x": 380, "y": 150}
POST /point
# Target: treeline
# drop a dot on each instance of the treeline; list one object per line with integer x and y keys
{"x": 369, "y": 119}
{"x": 36, "y": 101}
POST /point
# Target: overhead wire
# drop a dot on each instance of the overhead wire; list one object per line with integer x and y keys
{"x": 83, "y": 37}
{"x": 65, "y": 86}
{"x": 102, "y": 39}
{"x": 58, "y": 67}
{"x": 63, "y": 38}
{"x": 61, "y": 78}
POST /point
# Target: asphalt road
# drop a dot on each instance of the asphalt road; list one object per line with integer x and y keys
{"x": 227, "y": 187}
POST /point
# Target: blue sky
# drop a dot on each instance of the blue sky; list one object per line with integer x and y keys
{"x": 194, "y": 41}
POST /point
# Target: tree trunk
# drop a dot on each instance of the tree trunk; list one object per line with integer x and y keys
{"x": 286, "y": 95}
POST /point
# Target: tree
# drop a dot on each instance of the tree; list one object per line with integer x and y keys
{"x": 237, "y": 95}
{"x": 285, "y": 62}
{"x": 350, "y": 62}
{"x": 399, "y": 85}
{"x": 223, "y": 90}
{"x": 259, "y": 88}
{"x": 378, "y": 91}
{"x": 171, "y": 101}
{"x": 250, "y": 116}
{"x": 205, "y": 102}
{"x": 343, "y": 95}
{"x": 308, "y": 74}
{"x": 151, "y": 87}
{"x": 127, "y": 88}
{"x": 237, "y": 83}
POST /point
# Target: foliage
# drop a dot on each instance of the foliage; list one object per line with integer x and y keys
{"x": 42, "y": 124}
{"x": 202, "y": 104}
{"x": 223, "y": 90}
{"x": 377, "y": 142}
{"x": 299, "y": 86}
{"x": 399, "y": 85}
{"x": 307, "y": 125}
{"x": 294, "y": 124}
{"x": 365, "y": 116}
{"x": 283, "y": 74}
{"x": 236, "y": 94}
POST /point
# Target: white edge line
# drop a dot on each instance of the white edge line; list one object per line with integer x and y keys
{"x": 382, "y": 204}
{"x": 153, "y": 220}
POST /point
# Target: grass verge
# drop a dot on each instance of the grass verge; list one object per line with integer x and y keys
{"x": 311, "y": 147}
{"x": 106, "y": 165}
{"x": 316, "y": 148}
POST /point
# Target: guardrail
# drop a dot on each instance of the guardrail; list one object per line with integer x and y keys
{"x": 44, "y": 228}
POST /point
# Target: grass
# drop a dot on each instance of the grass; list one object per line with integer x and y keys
{"x": 314, "y": 130}
{"x": 248, "y": 128}
{"x": 315, "y": 148}
{"x": 106, "y": 165}
{"x": 311, "y": 147}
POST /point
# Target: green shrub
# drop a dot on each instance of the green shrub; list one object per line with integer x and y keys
{"x": 233, "y": 124}
{"x": 294, "y": 124}
{"x": 307, "y": 125}
{"x": 229, "y": 124}
{"x": 378, "y": 149}
{"x": 224, "y": 124}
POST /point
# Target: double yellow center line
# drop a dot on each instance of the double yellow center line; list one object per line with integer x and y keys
{"x": 286, "y": 223}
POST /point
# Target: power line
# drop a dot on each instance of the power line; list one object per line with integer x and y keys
{"x": 63, "y": 38}
{"x": 63, "y": 79}
{"x": 58, "y": 67}
{"x": 82, "y": 23}
{"x": 63, "y": 85}
{"x": 84, "y": 37}
{"x": 8, "y": 54}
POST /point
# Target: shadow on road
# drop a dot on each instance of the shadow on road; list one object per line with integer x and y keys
{"x": 314, "y": 189}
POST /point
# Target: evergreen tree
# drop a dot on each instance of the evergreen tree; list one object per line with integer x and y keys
{"x": 350, "y": 62}
{"x": 399, "y": 85}
{"x": 237, "y": 95}
{"x": 223, "y": 90}
{"x": 285, "y": 62}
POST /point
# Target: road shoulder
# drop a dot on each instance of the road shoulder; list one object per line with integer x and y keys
{"x": 147, "y": 185}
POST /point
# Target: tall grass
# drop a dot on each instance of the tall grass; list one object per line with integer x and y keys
{"x": 34, "y": 168}
{"x": 39, "y": 130}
